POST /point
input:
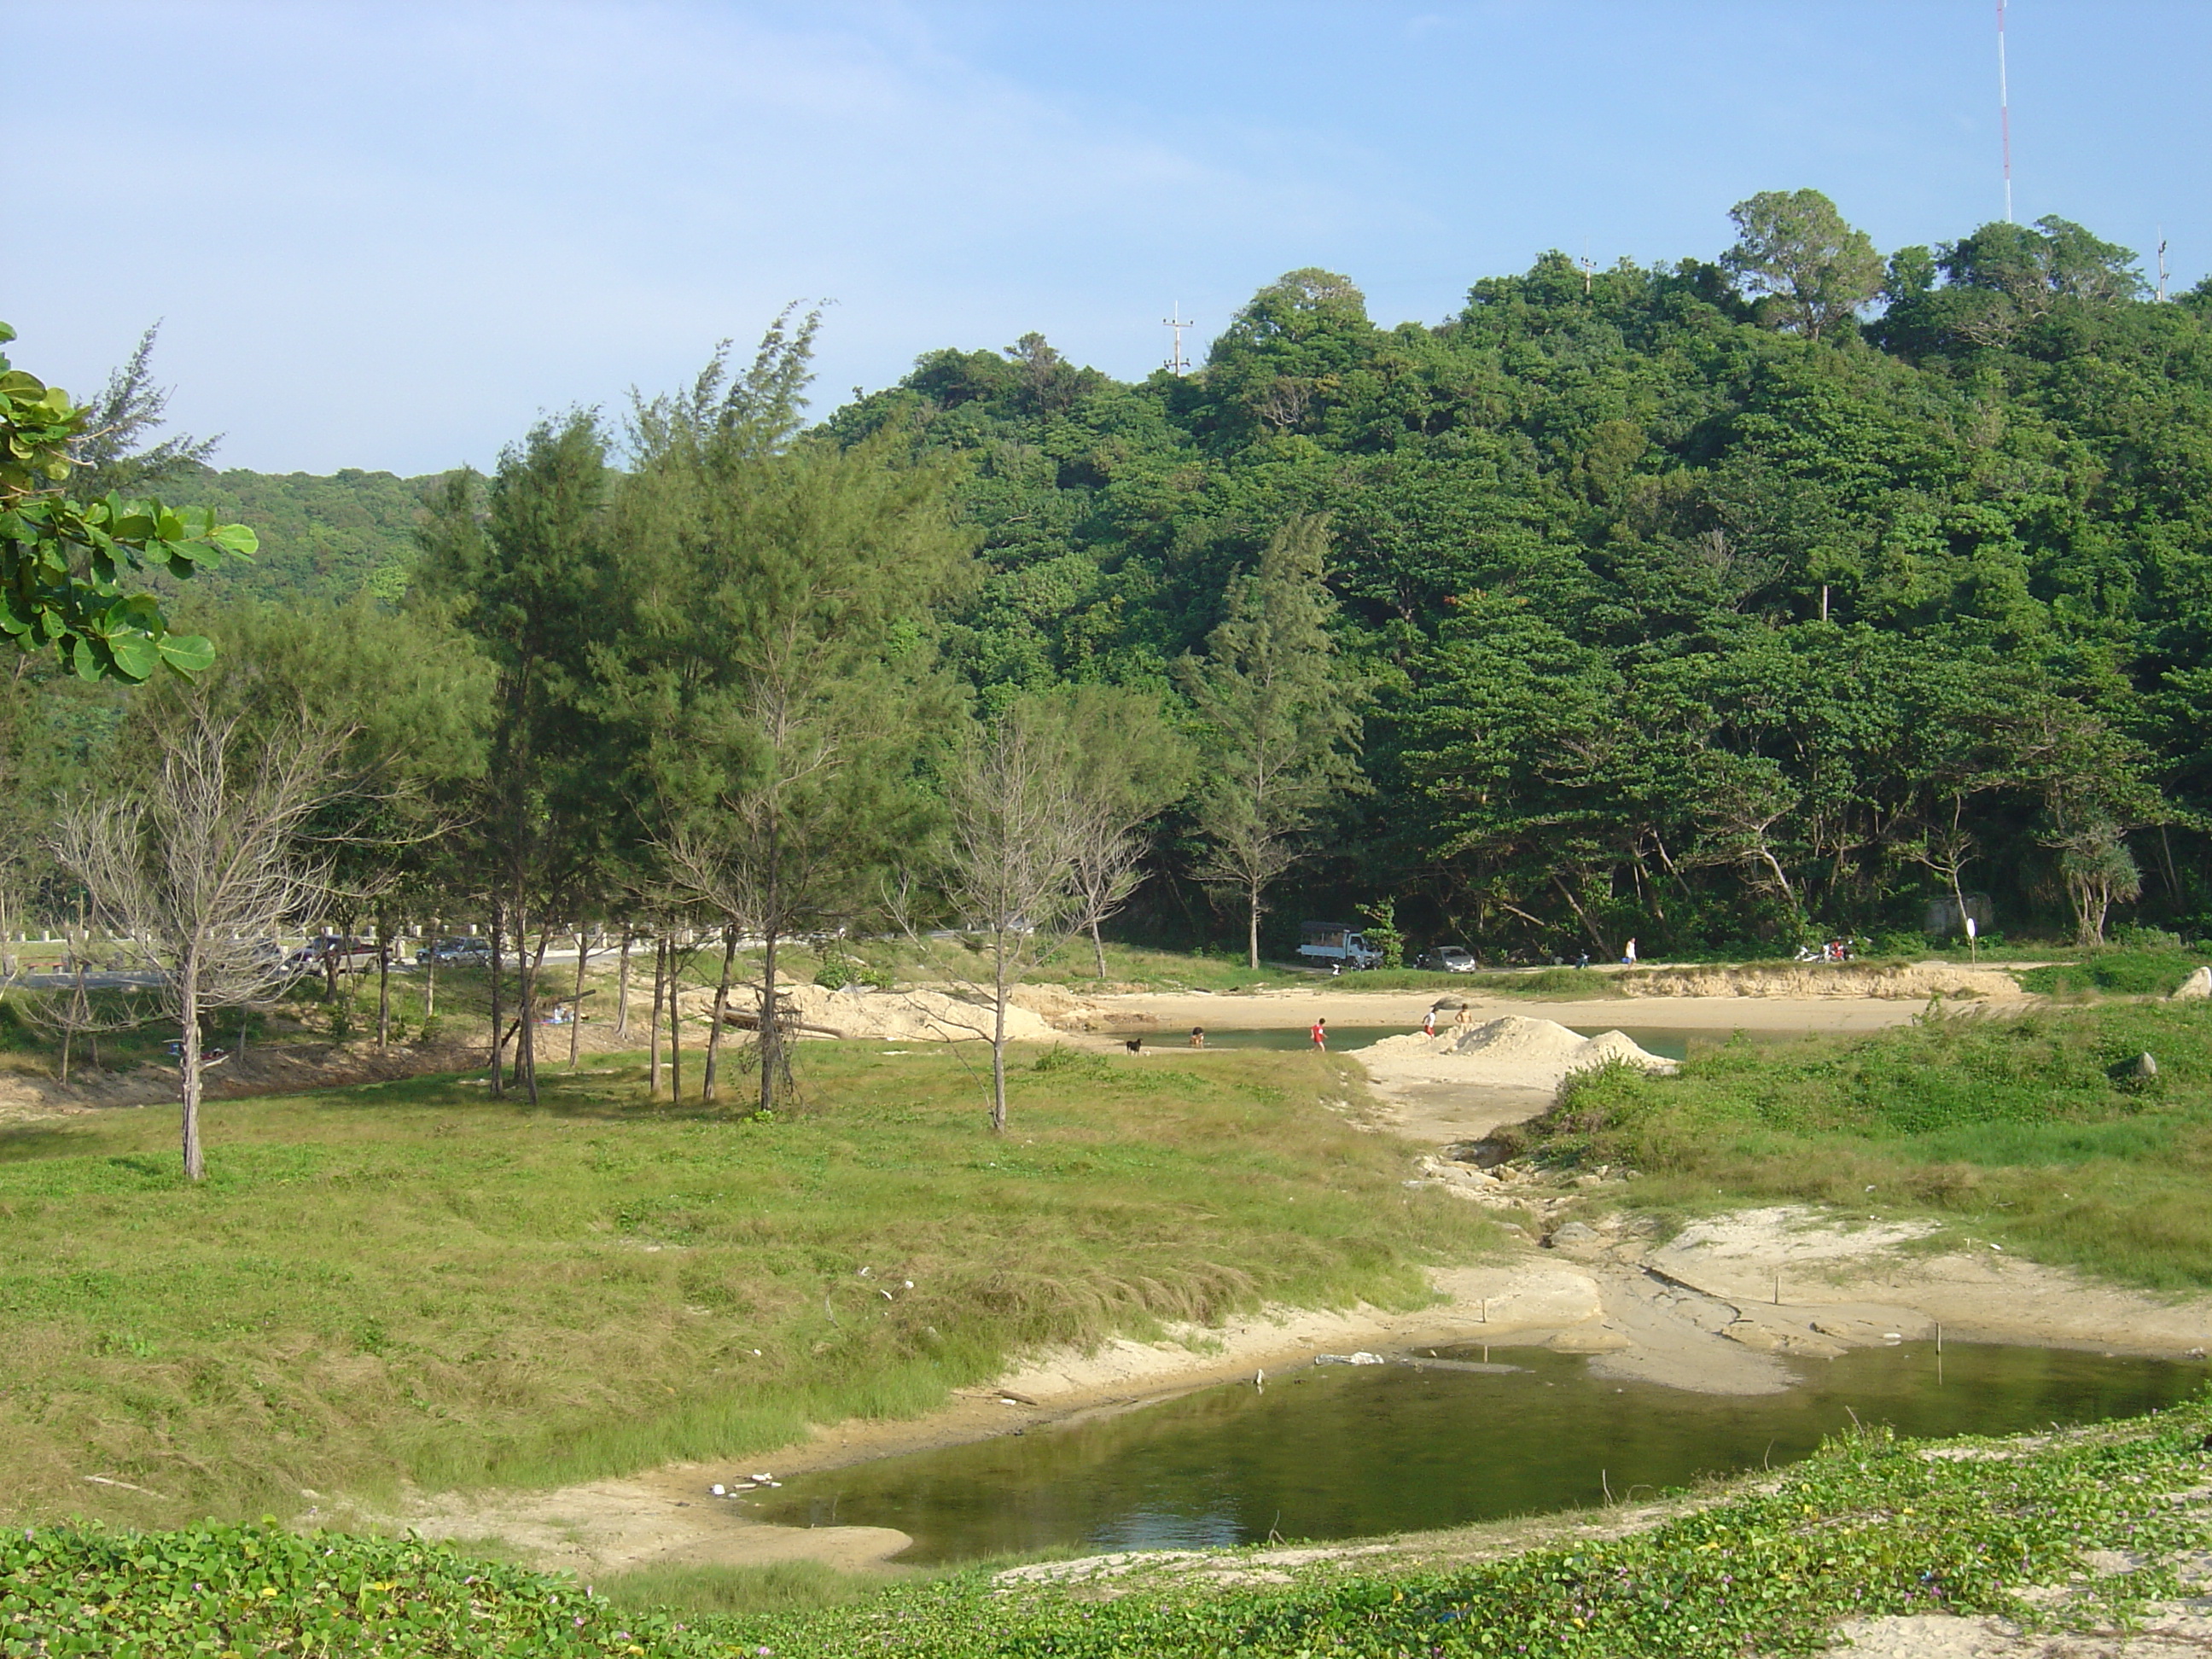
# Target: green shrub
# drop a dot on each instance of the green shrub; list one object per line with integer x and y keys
{"x": 837, "y": 971}
{"x": 2114, "y": 972}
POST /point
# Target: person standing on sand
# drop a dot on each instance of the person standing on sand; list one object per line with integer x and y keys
{"x": 1628, "y": 954}
{"x": 1321, "y": 1033}
{"x": 1429, "y": 1024}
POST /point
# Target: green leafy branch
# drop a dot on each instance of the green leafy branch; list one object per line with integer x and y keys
{"x": 66, "y": 566}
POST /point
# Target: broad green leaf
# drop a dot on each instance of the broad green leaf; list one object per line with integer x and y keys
{"x": 238, "y": 539}
{"x": 136, "y": 655}
{"x": 188, "y": 654}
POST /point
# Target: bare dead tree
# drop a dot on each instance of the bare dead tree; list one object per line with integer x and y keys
{"x": 1106, "y": 869}
{"x": 1035, "y": 851}
{"x": 202, "y": 867}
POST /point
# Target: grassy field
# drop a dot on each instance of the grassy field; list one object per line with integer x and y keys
{"x": 1867, "y": 1527}
{"x": 2034, "y": 1128}
{"x": 412, "y": 1281}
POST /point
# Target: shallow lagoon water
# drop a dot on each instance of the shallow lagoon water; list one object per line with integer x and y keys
{"x": 1345, "y": 1451}
{"x": 1671, "y": 1041}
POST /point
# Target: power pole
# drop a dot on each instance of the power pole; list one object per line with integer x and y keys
{"x": 2161, "y": 265}
{"x": 2004, "y": 111}
{"x": 1178, "y": 363}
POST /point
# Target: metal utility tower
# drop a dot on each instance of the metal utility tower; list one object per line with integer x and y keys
{"x": 2004, "y": 111}
{"x": 2161, "y": 265}
{"x": 1178, "y": 363}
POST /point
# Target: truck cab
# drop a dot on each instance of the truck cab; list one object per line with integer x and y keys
{"x": 1337, "y": 944}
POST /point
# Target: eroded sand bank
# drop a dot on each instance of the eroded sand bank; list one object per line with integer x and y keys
{"x": 1735, "y": 1306}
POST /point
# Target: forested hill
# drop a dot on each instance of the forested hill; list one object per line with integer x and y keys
{"x": 1715, "y": 602}
{"x": 327, "y": 538}
{"x": 1691, "y": 601}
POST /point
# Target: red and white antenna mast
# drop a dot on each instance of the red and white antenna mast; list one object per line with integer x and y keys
{"x": 2004, "y": 111}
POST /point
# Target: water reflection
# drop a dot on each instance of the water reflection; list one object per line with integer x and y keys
{"x": 1338, "y": 1452}
{"x": 1673, "y": 1041}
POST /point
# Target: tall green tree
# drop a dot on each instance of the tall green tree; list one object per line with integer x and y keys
{"x": 1281, "y": 715}
{"x": 523, "y": 565}
{"x": 776, "y": 667}
{"x": 1795, "y": 248}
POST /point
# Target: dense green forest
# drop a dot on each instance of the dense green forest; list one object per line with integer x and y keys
{"x": 1681, "y": 615}
{"x": 1723, "y": 603}
{"x": 322, "y": 538}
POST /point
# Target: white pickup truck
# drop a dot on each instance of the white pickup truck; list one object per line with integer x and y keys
{"x": 1338, "y": 945}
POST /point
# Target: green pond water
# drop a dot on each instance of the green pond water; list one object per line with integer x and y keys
{"x": 1673, "y": 1042}
{"x": 1342, "y": 1451}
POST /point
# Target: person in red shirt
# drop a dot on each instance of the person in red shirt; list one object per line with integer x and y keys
{"x": 1320, "y": 1034}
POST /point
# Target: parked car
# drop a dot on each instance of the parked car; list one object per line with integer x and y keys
{"x": 467, "y": 951}
{"x": 1448, "y": 959}
{"x": 332, "y": 947}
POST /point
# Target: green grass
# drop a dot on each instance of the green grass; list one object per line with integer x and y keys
{"x": 784, "y": 1587}
{"x": 2031, "y": 1128}
{"x": 1549, "y": 984}
{"x": 1867, "y": 1527}
{"x": 2113, "y": 973}
{"x": 413, "y": 1281}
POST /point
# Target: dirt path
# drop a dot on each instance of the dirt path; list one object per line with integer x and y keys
{"x": 1174, "y": 1013}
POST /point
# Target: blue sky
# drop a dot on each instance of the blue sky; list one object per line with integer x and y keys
{"x": 391, "y": 234}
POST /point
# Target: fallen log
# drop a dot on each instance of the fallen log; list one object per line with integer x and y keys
{"x": 748, "y": 1020}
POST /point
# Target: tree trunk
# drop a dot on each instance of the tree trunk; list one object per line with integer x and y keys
{"x": 621, "y": 987}
{"x": 707, "y": 1078}
{"x": 1252, "y": 935}
{"x": 430, "y": 983}
{"x": 652, "y": 1030}
{"x": 1098, "y": 947}
{"x": 526, "y": 1048}
{"x": 1958, "y": 898}
{"x": 383, "y": 988}
{"x": 188, "y": 989}
{"x": 771, "y": 1025}
{"x": 675, "y": 1025}
{"x": 498, "y": 964}
{"x": 999, "y": 1036}
{"x": 576, "y": 1008}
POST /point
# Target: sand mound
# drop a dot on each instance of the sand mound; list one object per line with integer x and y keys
{"x": 1916, "y": 980}
{"x": 890, "y": 1016}
{"x": 1511, "y": 1050}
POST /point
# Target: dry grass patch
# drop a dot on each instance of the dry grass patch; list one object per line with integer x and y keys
{"x": 412, "y": 1281}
